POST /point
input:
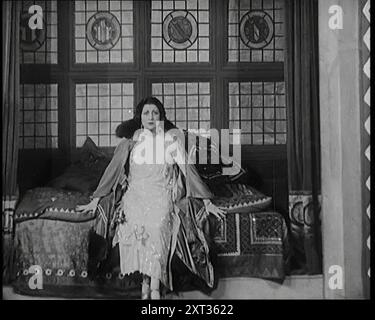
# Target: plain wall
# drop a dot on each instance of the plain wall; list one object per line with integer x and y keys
{"x": 341, "y": 148}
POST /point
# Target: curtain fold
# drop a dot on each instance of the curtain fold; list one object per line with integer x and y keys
{"x": 10, "y": 109}
{"x": 303, "y": 143}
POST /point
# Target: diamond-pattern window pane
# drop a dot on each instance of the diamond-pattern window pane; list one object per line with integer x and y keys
{"x": 180, "y": 31}
{"x": 39, "y": 116}
{"x": 259, "y": 110}
{"x": 187, "y": 104}
{"x": 104, "y": 31}
{"x": 256, "y": 31}
{"x": 39, "y": 46}
{"x": 100, "y": 108}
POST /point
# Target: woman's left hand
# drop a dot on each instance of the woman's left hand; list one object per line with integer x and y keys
{"x": 212, "y": 209}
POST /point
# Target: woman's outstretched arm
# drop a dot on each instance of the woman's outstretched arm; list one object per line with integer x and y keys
{"x": 195, "y": 186}
{"x": 109, "y": 177}
{"x": 113, "y": 170}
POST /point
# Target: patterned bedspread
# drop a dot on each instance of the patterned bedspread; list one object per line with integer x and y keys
{"x": 60, "y": 248}
{"x": 252, "y": 245}
{"x": 247, "y": 245}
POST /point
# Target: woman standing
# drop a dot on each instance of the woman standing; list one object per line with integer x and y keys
{"x": 162, "y": 202}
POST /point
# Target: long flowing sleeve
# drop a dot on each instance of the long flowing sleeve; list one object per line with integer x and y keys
{"x": 195, "y": 186}
{"x": 114, "y": 170}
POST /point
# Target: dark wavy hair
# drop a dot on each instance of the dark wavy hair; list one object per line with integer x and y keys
{"x": 127, "y": 128}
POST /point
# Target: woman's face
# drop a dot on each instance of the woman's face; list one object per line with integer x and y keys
{"x": 149, "y": 117}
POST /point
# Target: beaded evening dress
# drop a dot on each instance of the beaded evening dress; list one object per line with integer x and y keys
{"x": 145, "y": 237}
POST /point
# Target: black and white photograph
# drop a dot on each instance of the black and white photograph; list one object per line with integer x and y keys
{"x": 206, "y": 150}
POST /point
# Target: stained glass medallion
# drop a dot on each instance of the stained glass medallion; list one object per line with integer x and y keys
{"x": 39, "y": 45}
{"x": 31, "y": 39}
{"x": 256, "y": 29}
{"x": 180, "y": 30}
{"x": 103, "y": 31}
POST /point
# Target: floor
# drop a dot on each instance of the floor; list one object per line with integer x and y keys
{"x": 295, "y": 287}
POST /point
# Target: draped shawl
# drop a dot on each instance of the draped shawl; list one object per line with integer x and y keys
{"x": 188, "y": 217}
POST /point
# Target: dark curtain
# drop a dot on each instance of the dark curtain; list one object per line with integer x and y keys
{"x": 11, "y": 105}
{"x": 302, "y": 83}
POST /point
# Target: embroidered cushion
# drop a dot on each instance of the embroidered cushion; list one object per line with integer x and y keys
{"x": 196, "y": 144}
{"x": 238, "y": 198}
{"x": 84, "y": 174}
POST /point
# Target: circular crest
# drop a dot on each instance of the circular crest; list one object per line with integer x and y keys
{"x": 256, "y": 29}
{"x": 31, "y": 40}
{"x": 103, "y": 31}
{"x": 180, "y": 30}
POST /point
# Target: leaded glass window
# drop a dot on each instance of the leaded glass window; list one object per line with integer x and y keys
{"x": 39, "y": 46}
{"x": 104, "y": 31}
{"x": 180, "y": 31}
{"x": 39, "y": 116}
{"x": 256, "y": 31}
{"x": 187, "y": 104}
{"x": 100, "y": 108}
{"x": 258, "y": 109}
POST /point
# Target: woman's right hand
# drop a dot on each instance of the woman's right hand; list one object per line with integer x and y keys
{"x": 90, "y": 207}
